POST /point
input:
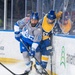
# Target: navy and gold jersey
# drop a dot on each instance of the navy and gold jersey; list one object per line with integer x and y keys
{"x": 47, "y": 28}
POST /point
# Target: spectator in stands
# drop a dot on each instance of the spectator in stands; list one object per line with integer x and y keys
{"x": 65, "y": 22}
{"x": 27, "y": 18}
{"x": 72, "y": 31}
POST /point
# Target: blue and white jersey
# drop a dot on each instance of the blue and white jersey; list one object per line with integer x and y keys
{"x": 33, "y": 34}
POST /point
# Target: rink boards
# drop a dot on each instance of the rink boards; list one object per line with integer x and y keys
{"x": 63, "y": 58}
{"x": 64, "y": 46}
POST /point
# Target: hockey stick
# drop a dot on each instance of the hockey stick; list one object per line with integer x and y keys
{"x": 51, "y": 54}
{"x": 51, "y": 66}
{"x": 9, "y": 70}
{"x": 33, "y": 57}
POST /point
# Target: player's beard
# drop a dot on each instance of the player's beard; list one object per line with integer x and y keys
{"x": 33, "y": 24}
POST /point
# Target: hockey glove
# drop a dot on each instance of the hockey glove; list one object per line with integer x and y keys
{"x": 50, "y": 49}
{"x": 33, "y": 49}
{"x": 17, "y": 36}
{"x": 32, "y": 52}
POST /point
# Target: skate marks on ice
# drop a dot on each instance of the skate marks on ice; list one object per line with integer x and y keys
{"x": 4, "y": 70}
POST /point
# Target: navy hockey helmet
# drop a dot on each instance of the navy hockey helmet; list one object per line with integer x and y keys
{"x": 34, "y": 15}
{"x": 66, "y": 15}
{"x": 51, "y": 15}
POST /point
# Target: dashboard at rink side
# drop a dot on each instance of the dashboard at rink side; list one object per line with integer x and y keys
{"x": 64, "y": 54}
{"x": 63, "y": 57}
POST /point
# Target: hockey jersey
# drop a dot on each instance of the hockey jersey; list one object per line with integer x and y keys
{"x": 29, "y": 34}
{"x": 47, "y": 28}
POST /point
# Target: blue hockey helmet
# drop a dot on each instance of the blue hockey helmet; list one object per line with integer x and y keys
{"x": 51, "y": 15}
{"x": 34, "y": 15}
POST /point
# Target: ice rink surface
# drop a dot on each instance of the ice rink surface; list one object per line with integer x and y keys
{"x": 4, "y": 71}
{"x": 18, "y": 68}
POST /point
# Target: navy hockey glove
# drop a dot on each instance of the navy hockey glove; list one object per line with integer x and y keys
{"x": 50, "y": 50}
{"x": 17, "y": 36}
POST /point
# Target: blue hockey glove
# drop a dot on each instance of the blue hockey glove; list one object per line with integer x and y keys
{"x": 33, "y": 49}
{"x": 32, "y": 52}
{"x": 17, "y": 36}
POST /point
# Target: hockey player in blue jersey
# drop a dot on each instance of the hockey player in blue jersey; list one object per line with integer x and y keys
{"x": 31, "y": 35}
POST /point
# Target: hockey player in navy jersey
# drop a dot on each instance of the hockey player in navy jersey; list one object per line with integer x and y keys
{"x": 31, "y": 35}
{"x": 45, "y": 46}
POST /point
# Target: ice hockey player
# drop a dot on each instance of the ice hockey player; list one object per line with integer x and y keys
{"x": 45, "y": 46}
{"x": 31, "y": 35}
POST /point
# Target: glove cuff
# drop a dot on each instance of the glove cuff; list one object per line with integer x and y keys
{"x": 34, "y": 46}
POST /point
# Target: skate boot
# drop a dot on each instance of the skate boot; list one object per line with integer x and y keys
{"x": 28, "y": 68}
{"x": 39, "y": 70}
{"x": 44, "y": 73}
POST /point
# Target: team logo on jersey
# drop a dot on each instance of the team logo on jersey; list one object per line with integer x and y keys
{"x": 26, "y": 34}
